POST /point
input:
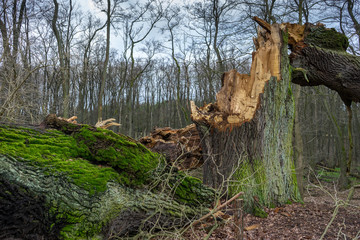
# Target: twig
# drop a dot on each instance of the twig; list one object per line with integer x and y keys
{"x": 212, "y": 212}
{"x": 12, "y": 95}
{"x": 211, "y": 231}
{"x": 336, "y": 210}
{"x": 217, "y": 209}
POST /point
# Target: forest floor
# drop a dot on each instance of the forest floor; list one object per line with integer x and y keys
{"x": 308, "y": 220}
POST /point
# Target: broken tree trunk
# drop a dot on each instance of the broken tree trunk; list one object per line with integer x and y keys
{"x": 247, "y": 133}
{"x": 80, "y": 182}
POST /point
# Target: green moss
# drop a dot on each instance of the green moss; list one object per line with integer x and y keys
{"x": 186, "y": 191}
{"x": 272, "y": 205}
{"x": 285, "y": 37}
{"x": 79, "y": 157}
{"x": 92, "y": 157}
{"x": 252, "y": 181}
{"x": 73, "y": 231}
{"x": 260, "y": 212}
{"x": 180, "y": 186}
{"x": 132, "y": 160}
{"x": 95, "y": 164}
{"x": 327, "y": 38}
{"x": 328, "y": 175}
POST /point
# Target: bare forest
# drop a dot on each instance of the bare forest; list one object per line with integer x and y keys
{"x": 148, "y": 63}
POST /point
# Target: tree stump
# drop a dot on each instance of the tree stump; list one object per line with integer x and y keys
{"x": 247, "y": 134}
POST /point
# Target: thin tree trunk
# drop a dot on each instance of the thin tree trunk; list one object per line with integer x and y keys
{"x": 106, "y": 61}
{"x": 298, "y": 141}
{"x": 62, "y": 60}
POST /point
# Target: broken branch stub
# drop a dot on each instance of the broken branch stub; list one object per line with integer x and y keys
{"x": 107, "y": 123}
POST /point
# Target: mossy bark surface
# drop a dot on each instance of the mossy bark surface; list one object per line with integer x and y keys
{"x": 87, "y": 183}
{"x": 319, "y": 57}
{"x": 253, "y": 155}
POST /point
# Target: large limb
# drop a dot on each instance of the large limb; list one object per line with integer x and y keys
{"x": 319, "y": 57}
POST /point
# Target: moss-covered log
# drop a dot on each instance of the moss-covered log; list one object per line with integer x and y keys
{"x": 81, "y": 182}
{"x": 247, "y": 133}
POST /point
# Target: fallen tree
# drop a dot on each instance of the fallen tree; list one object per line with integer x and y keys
{"x": 70, "y": 181}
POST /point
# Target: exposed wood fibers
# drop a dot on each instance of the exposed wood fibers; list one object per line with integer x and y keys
{"x": 239, "y": 96}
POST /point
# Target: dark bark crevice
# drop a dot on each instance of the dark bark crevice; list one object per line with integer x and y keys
{"x": 338, "y": 71}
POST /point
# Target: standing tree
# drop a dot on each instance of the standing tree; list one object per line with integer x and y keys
{"x": 138, "y": 25}
{"x": 110, "y": 10}
{"x": 319, "y": 57}
{"x": 106, "y": 61}
{"x": 90, "y": 35}
{"x": 173, "y": 20}
{"x": 63, "y": 39}
{"x": 10, "y": 28}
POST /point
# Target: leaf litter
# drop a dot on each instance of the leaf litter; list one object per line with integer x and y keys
{"x": 306, "y": 220}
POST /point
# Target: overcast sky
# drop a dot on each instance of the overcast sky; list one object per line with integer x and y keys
{"x": 116, "y": 41}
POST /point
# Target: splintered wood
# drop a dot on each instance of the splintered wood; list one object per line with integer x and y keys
{"x": 179, "y": 146}
{"x": 239, "y": 96}
{"x": 107, "y": 123}
{"x": 296, "y": 33}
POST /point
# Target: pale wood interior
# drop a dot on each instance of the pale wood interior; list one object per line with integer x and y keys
{"x": 238, "y": 98}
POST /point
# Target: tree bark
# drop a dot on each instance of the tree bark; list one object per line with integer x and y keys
{"x": 80, "y": 182}
{"x": 64, "y": 60}
{"x": 247, "y": 134}
{"x": 298, "y": 144}
{"x": 319, "y": 57}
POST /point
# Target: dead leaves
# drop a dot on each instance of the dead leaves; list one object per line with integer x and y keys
{"x": 293, "y": 221}
{"x": 252, "y": 227}
{"x": 280, "y": 210}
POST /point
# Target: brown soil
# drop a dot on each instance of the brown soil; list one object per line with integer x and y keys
{"x": 295, "y": 221}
